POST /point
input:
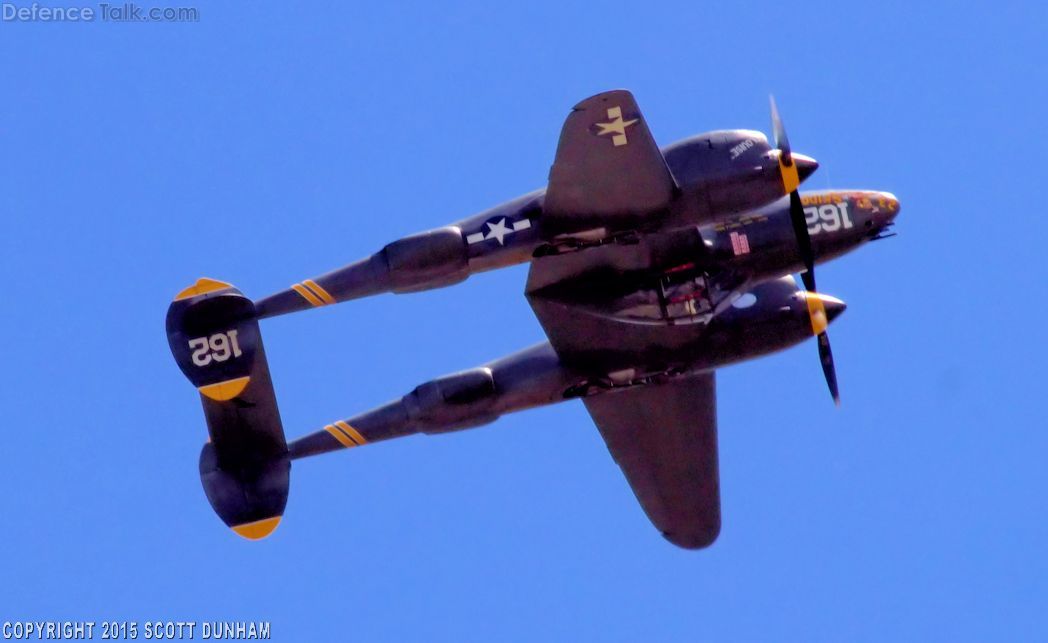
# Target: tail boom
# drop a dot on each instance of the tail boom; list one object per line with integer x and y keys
{"x": 470, "y": 398}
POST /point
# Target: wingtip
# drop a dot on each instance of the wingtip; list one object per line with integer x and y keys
{"x": 603, "y": 96}
{"x": 694, "y": 540}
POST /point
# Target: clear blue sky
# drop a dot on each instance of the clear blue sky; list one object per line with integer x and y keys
{"x": 267, "y": 144}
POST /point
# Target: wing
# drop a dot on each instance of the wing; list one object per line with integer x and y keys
{"x": 664, "y": 437}
{"x": 608, "y": 171}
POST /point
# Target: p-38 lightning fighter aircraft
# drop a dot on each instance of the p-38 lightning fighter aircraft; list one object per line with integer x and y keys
{"x": 649, "y": 270}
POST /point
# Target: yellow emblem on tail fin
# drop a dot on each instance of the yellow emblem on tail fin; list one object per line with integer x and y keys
{"x": 201, "y": 287}
{"x": 258, "y": 529}
{"x": 224, "y": 391}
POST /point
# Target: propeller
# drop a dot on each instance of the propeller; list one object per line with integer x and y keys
{"x": 791, "y": 180}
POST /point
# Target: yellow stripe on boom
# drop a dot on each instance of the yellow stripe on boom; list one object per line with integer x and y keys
{"x": 317, "y": 290}
{"x": 307, "y": 294}
{"x": 341, "y": 437}
{"x": 351, "y": 432}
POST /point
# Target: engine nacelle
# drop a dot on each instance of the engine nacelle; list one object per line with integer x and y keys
{"x": 462, "y": 400}
{"x": 726, "y": 172}
{"x": 427, "y": 260}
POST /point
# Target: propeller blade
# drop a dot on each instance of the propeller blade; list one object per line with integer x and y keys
{"x": 828, "y": 369}
{"x": 800, "y": 230}
{"x": 791, "y": 181}
{"x": 782, "y": 142}
{"x": 823, "y": 309}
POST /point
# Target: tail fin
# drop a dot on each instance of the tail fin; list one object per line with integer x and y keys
{"x": 245, "y": 469}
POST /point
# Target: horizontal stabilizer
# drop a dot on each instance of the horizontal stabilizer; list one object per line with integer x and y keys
{"x": 244, "y": 467}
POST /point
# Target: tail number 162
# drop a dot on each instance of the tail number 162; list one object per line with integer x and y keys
{"x": 829, "y": 217}
{"x": 219, "y": 347}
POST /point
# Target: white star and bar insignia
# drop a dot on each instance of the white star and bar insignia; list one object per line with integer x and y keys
{"x": 498, "y": 230}
{"x": 616, "y": 127}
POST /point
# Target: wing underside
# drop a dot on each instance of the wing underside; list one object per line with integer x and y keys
{"x": 608, "y": 172}
{"x": 664, "y": 437}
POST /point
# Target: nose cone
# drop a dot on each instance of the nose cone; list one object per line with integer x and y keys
{"x": 834, "y": 307}
{"x": 886, "y": 208}
{"x": 891, "y": 202}
{"x": 822, "y": 309}
{"x": 806, "y": 165}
